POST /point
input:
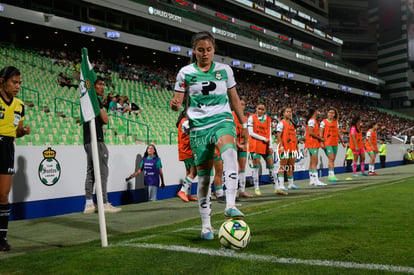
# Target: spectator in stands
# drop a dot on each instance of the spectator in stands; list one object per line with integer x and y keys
{"x": 76, "y": 70}
{"x": 152, "y": 167}
{"x": 11, "y": 127}
{"x": 313, "y": 143}
{"x": 383, "y": 152}
{"x": 113, "y": 108}
{"x": 185, "y": 154}
{"x": 210, "y": 122}
{"x": 103, "y": 155}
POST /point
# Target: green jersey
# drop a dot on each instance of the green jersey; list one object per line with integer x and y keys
{"x": 208, "y": 102}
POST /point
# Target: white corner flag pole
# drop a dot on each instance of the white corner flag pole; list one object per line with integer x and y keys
{"x": 98, "y": 183}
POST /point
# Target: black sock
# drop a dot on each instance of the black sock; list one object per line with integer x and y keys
{"x": 4, "y": 219}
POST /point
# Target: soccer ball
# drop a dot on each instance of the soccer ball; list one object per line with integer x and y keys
{"x": 234, "y": 234}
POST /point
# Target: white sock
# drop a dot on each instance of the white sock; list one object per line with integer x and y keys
{"x": 281, "y": 182}
{"x": 311, "y": 178}
{"x": 373, "y": 169}
{"x": 203, "y": 195}
{"x": 290, "y": 181}
{"x": 89, "y": 202}
{"x": 242, "y": 181}
{"x": 230, "y": 175}
{"x": 331, "y": 173}
{"x": 255, "y": 175}
{"x": 219, "y": 190}
{"x": 186, "y": 185}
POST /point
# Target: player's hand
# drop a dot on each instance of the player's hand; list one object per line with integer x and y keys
{"x": 244, "y": 138}
{"x": 27, "y": 130}
{"x": 270, "y": 151}
{"x": 175, "y": 104}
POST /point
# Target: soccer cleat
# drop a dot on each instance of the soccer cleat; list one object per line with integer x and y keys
{"x": 283, "y": 188}
{"x": 332, "y": 179}
{"x": 191, "y": 198}
{"x": 372, "y": 174}
{"x": 4, "y": 245}
{"x": 355, "y": 175}
{"x": 280, "y": 192}
{"x": 245, "y": 195}
{"x": 311, "y": 183}
{"x": 207, "y": 234}
{"x": 293, "y": 187}
{"x": 221, "y": 199}
{"x": 233, "y": 213}
{"x": 109, "y": 208}
{"x": 364, "y": 174}
{"x": 182, "y": 196}
{"x": 89, "y": 209}
{"x": 257, "y": 192}
{"x": 319, "y": 183}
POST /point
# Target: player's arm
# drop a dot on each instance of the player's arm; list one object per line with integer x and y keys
{"x": 234, "y": 101}
{"x": 22, "y": 130}
{"x": 177, "y": 101}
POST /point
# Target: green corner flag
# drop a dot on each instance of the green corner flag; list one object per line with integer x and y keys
{"x": 88, "y": 100}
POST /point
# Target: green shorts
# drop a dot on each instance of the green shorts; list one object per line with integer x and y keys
{"x": 331, "y": 150}
{"x": 189, "y": 162}
{"x": 264, "y": 156}
{"x": 372, "y": 153}
{"x": 203, "y": 142}
{"x": 241, "y": 154}
{"x": 218, "y": 158}
{"x": 313, "y": 151}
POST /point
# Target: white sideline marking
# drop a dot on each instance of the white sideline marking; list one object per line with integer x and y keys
{"x": 271, "y": 259}
{"x": 265, "y": 258}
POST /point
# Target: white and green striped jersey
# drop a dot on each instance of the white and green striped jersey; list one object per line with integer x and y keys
{"x": 208, "y": 101}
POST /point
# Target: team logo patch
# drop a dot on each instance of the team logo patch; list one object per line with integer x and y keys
{"x": 49, "y": 168}
{"x": 219, "y": 76}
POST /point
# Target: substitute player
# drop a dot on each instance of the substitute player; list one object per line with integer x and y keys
{"x": 329, "y": 130}
{"x": 185, "y": 154}
{"x": 260, "y": 145}
{"x": 241, "y": 153}
{"x": 371, "y": 146}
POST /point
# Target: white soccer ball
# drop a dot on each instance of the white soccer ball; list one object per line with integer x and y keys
{"x": 234, "y": 234}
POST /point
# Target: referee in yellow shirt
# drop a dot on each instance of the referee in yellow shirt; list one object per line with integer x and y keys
{"x": 11, "y": 126}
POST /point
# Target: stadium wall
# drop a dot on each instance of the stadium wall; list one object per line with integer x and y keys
{"x": 50, "y": 182}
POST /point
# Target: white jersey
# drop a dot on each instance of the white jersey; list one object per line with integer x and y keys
{"x": 208, "y": 102}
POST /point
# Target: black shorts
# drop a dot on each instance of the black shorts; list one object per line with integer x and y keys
{"x": 7, "y": 155}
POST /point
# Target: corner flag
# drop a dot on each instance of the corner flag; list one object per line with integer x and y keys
{"x": 87, "y": 95}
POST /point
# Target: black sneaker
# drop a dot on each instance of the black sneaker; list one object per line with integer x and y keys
{"x": 4, "y": 245}
{"x": 221, "y": 199}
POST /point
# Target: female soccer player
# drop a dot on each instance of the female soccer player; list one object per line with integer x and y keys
{"x": 185, "y": 154}
{"x": 313, "y": 143}
{"x": 371, "y": 146}
{"x": 329, "y": 130}
{"x": 211, "y": 91}
{"x": 11, "y": 126}
{"x": 241, "y": 154}
{"x": 260, "y": 145}
{"x": 287, "y": 145}
{"x": 357, "y": 145}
